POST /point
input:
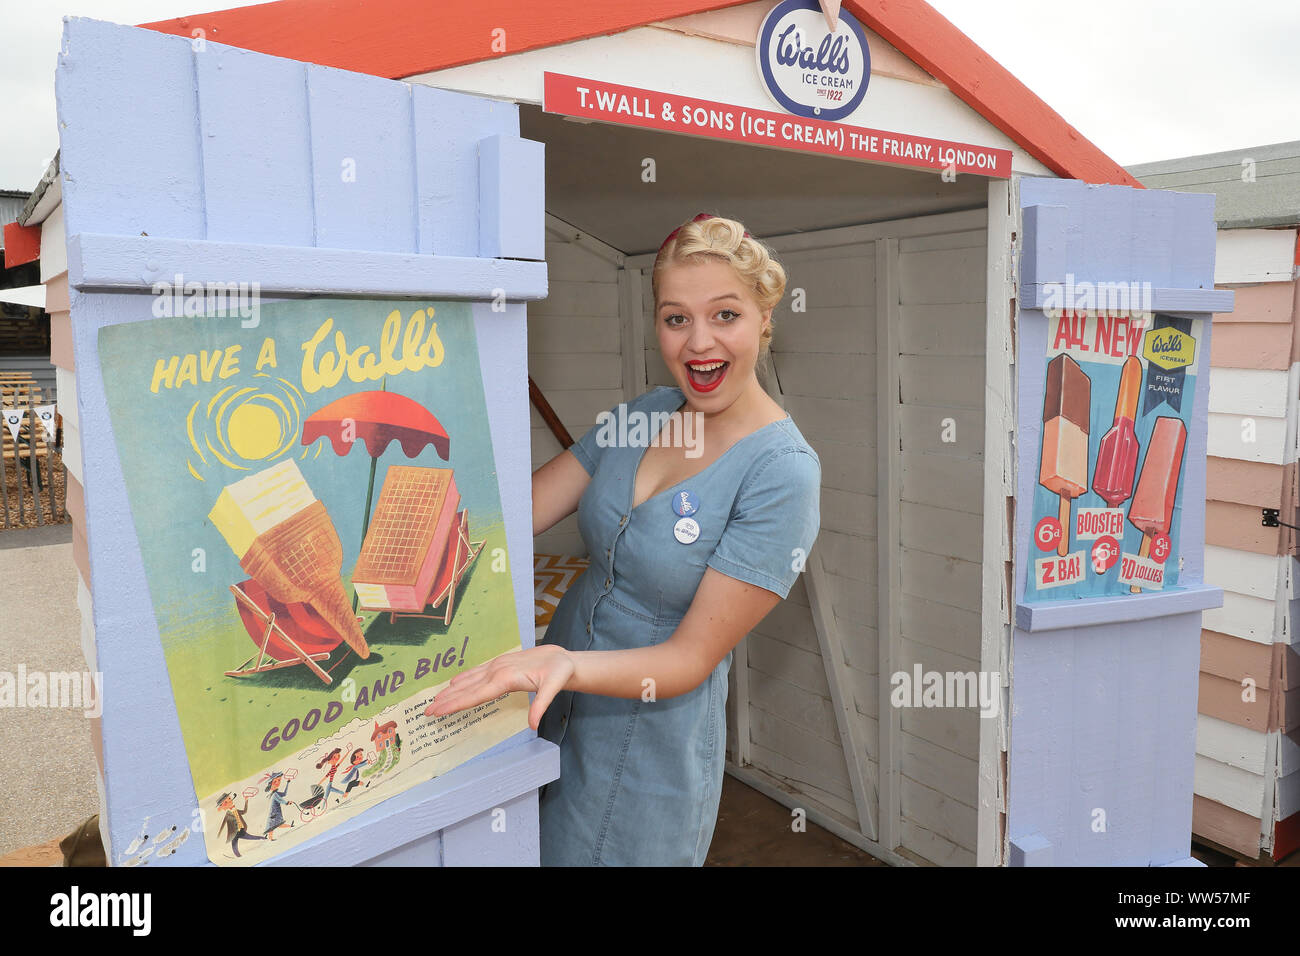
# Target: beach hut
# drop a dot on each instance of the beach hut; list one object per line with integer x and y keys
{"x": 1247, "y": 784}
{"x": 993, "y": 337}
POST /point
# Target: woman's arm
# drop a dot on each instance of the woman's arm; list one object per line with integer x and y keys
{"x": 557, "y": 487}
{"x": 723, "y": 611}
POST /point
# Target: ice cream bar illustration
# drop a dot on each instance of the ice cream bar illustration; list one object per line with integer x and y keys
{"x": 1064, "y": 468}
{"x": 284, "y": 538}
{"x": 1152, "y": 509}
{"x": 1117, "y": 456}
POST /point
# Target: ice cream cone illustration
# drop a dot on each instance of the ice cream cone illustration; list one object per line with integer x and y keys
{"x": 284, "y": 538}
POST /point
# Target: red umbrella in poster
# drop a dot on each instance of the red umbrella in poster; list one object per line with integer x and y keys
{"x": 377, "y": 418}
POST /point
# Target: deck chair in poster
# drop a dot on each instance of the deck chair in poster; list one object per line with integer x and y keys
{"x": 286, "y": 635}
{"x": 460, "y": 555}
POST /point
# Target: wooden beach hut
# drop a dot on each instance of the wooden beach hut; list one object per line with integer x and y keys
{"x": 930, "y": 215}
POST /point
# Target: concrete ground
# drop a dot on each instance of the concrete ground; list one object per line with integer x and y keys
{"x": 48, "y": 785}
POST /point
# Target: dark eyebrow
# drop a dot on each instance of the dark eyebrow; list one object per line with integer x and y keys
{"x": 725, "y": 295}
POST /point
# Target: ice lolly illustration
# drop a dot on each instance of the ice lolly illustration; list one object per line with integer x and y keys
{"x": 1064, "y": 467}
{"x": 1117, "y": 456}
{"x": 284, "y": 538}
{"x": 1152, "y": 509}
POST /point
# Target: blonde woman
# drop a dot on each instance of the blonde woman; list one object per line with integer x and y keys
{"x": 692, "y": 543}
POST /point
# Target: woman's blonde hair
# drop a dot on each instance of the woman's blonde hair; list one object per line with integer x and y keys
{"x": 727, "y": 240}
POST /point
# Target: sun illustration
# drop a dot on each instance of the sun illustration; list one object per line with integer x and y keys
{"x": 245, "y": 426}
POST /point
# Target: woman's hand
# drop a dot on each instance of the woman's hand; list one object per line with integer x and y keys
{"x": 545, "y": 669}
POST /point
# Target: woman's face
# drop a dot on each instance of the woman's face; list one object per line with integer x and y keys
{"x": 709, "y": 325}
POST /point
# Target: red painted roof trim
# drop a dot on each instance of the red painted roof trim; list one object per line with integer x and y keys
{"x": 399, "y": 38}
{"x": 22, "y": 244}
{"x": 921, "y": 33}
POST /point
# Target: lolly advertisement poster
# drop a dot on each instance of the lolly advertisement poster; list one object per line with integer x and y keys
{"x": 1107, "y": 506}
{"x": 317, "y": 507}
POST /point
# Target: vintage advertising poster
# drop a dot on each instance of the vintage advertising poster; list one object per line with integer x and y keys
{"x": 1117, "y": 405}
{"x": 317, "y": 507}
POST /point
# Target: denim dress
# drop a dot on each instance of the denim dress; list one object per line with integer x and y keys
{"x": 640, "y": 780}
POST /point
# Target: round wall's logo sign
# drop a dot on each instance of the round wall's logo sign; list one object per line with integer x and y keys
{"x": 807, "y": 69}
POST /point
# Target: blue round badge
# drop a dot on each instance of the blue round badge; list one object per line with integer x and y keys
{"x": 685, "y": 503}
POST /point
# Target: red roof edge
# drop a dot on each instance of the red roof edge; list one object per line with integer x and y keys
{"x": 921, "y": 33}
{"x": 400, "y": 38}
{"x": 22, "y": 244}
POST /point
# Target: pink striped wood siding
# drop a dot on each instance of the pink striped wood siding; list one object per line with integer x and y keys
{"x": 76, "y": 505}
{"x": 1227, "y": 663}
{"x": 56, "y": 293}
{"x": 1263, "y": 302}
{"x": 61, "y": 340}
{"x": 1251, "y": 345}
{"x": 1224, "y": 698}
{"x": 1236, "y": 658}
{"x": 1225, "y": 826}
{"x": 1243, "y": 482}
{"x": 1231, "y": 525}
{"x": 57, "y": 305}
{"x": 1259, "y": 334}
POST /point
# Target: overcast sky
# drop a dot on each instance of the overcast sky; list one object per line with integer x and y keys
{"x": 1143, "y": 79}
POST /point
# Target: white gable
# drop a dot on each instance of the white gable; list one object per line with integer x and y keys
{"x": 711, "y": 56}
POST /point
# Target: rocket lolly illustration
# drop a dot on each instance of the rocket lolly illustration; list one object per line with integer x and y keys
{"x": 1064, "y": 467}
{"x": 1117, "y": 455}
{"x": 1152, "y": 509}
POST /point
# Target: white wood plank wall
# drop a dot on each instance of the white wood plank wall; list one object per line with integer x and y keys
{"x": 941, "y": 394}
{"x": 574, "y": 354}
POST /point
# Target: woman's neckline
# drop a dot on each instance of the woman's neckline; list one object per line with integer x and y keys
{"x": 636, "y": 468}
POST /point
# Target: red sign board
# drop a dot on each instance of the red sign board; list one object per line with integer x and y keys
{"x": 630, "y": 106}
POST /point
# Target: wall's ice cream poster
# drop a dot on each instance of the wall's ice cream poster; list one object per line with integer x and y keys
{"x": 317, "y": 508}
{"x": 1118, "y": 393}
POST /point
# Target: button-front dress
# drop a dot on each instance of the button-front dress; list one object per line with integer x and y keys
{"x": 640, "y": 780}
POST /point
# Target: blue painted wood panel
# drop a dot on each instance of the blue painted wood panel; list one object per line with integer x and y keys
{"x": 511, "y": 192}
{"x": 1103, "y": 694}
{"x": 1108, "y": 233}
{"x": 1103, "y": 741}
{"x": 181, "y": 139}
{"x": 128, "y": 140}
{"x": 110, "y": 263}
{"x": 362, "y": 161}
{"x": 500, "y": 836}
{"x": 446, "y": 161}
{"x": 234, "y": 167}
{"x": 253, "y": 187}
